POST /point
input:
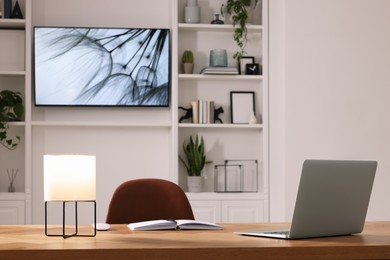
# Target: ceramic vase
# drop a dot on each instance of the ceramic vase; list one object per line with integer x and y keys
{"x": 217, "y": 20}
{"x": 11, "y": 188}
{"x": 192, "y": 12}
{"x": 218, "y": 58}
{"x": 252, "y": 118}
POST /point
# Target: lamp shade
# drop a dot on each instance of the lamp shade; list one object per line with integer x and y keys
{"x": 69, "y": 177}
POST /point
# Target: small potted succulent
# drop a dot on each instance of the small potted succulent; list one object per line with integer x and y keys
{"x": 239, "y": 10}
{"x": 195, "y": 160}
{"x": 187, "y": 62}
{"x": 11, "y": 109}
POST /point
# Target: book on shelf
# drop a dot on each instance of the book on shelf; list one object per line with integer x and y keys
{"x": 181, "y": 224}
{"x": 203, "y": 111}
{"x": 7, "y": 9}
{"x": 210, "y": 112}
{"x": 219, "y": 71}
{"x": 195, "y": 114}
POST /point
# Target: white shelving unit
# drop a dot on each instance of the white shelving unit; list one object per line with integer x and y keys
{"x": 15, "y": 75}
{"x": 137, "y": 143}
{"x": 225, "y": 141}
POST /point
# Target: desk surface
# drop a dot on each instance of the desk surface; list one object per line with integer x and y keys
{"x": 30, "y": 242}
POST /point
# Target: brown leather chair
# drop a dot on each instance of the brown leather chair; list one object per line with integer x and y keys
{"x": 148, "y": 199}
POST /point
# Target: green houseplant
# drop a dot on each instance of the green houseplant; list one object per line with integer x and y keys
{"x": 195, "y": 158}
{"x": 188, "y": 57}
{"x": 11, "y": 109}
{"x": 187, "y": 60}
{"x": 238, "y": 9}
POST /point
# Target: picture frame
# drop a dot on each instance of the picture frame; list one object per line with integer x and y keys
{"x": 243, "y": 61}
{"x": 250, "y": 175}
{"x": 242, "y": 105}
{"x": 228, "y": 178}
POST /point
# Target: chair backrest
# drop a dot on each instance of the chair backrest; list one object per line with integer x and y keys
{"x": 148, "y": 199}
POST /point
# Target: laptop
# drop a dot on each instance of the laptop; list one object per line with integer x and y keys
{"x": 332, "y": 200}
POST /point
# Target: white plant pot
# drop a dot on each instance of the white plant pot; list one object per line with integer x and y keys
{"x": 195, "y": 183}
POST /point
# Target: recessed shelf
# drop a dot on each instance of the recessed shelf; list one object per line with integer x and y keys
{"x": 19, "y": 123}
{"x": 17, "y": 24}
{"x": 99, "y": 124}
{"x": 12, "y": 195}
{"x": 216, "y": 28}
{"x": 220, "y": 77}
{"x": 12, "y": 73}
{"x": 232, "y": 126}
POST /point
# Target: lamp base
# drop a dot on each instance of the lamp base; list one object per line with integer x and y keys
{"x": 75, "y": 234}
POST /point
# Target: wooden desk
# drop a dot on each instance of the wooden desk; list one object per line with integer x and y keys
{"x": 30, "y": 242}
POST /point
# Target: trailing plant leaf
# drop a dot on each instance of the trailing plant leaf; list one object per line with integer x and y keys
{"x": 238, "y": 9}
{"x": 11, "y": 109}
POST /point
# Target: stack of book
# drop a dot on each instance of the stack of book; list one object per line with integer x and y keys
{"x": 203, "y": 112}
{"x": 219, "y": 71}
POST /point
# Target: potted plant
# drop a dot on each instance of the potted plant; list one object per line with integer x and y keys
{"x": 239, "y": 11}
{"x": 11, "y": 109}
{"x": 195, "y": 160}
{"x": 187, "y": 62}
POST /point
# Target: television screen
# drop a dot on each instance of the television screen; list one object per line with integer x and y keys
{"x": 101, "y": 66}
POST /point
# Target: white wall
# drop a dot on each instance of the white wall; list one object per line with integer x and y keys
{"x": 277, "y": 131}
{"x": 336, "y": 92}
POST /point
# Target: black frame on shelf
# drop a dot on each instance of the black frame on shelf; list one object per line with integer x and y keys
{"x": 250, "y": 179}
{"x": 224, "y": 182}
{"x": 242, "y": 61}
{"x": 242, "y": 104}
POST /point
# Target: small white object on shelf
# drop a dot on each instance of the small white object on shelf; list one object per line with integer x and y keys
{"x": 252, "y": 118}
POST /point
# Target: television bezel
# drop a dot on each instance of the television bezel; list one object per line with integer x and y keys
{"x": 34, "y": 83}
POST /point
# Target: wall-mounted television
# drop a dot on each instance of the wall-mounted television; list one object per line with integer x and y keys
{"x": 79, "y": 66}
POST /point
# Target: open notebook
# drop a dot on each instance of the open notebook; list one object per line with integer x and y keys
{"x": 172, "y": 224}
{"x": 332, "y": 200}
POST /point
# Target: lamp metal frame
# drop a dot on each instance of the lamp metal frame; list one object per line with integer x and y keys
{"x": 75, "y": 234}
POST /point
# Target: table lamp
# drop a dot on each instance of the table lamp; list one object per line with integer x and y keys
{"x": 69, "y": 179}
